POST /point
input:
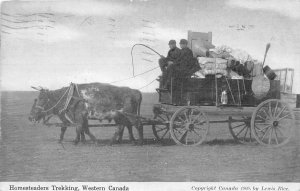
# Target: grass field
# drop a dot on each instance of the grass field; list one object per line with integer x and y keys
{"x": 31, "y": 153}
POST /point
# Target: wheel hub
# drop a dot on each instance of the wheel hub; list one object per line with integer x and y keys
{"x": 275, "y": 123}
{"x": 189, "y": 126}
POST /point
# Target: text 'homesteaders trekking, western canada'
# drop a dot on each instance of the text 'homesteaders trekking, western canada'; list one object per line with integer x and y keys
{"x": 69, "y": 188}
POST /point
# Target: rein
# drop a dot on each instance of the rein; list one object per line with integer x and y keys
{"x": 46, "y": 111}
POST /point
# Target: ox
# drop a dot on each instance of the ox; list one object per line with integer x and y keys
{"x": 100, "y": 101}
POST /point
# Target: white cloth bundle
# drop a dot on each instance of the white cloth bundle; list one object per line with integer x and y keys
{"x": 212, "y": 72}
{"x": 240, "y": 55}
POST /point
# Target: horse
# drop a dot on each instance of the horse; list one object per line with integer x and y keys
{"x": 71, "y": 113}
{"x": 94, "y": 100}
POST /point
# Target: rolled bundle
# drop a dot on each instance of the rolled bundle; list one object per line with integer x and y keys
{"x": 260, "y": 86}
{"x": 214, "y": 71}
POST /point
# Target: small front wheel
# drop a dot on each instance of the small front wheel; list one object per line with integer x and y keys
{"x": 240, "y": 129}
{"x": 189, "y": 126}
{"x": 161, "y": 129}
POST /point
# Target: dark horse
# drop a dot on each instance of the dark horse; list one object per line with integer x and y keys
{"x": 100, "y": 101}
{"x": 70, "y": 110}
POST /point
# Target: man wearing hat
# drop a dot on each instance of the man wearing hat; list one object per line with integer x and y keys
{"x": 184, "y": 64}
{"x": 173, "y": 54}
{"x": 165, "y": 62}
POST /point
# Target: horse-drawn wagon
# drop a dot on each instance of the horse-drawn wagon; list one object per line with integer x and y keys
{"x": 250, "y": 106}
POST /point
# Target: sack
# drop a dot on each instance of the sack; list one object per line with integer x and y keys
{"x": 241, "y": 55}
{"x": 234, "y": 75}
{"x": 214, "y": 71}
{"x": 204, "y": 60}
{"x": 260, "y": 86}
{"x": 257, "y": 69}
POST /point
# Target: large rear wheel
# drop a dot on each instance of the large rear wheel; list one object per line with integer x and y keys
{"x": 272, "y": 123}
{"x": 189, "y": 126}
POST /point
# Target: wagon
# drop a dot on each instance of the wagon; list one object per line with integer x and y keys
{"x": 186, "y": 111}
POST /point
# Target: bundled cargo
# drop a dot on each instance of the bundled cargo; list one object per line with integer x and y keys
{"x": 212, "y": 66}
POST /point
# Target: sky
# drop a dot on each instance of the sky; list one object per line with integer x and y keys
{"x": 53, "y": 43}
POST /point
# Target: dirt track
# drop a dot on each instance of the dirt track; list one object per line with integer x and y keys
{"x": 31, "y": 153}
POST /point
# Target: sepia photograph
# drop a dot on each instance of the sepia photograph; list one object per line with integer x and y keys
{"x": 149, "y": 91}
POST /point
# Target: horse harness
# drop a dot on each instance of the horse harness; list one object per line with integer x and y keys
{"x": 71, "y": 95}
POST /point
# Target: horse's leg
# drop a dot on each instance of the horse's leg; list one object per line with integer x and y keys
{"x": 87, "y": 131}
{"x": 131, "y": 137}
{"x": 78, "y": 132}
{"x": 116, "y": 134}
{"x": 139, "y": 128}
{"x": 82, "y": 137}
{"x": 121, "y": 132}
{"x": 62, "y": 133}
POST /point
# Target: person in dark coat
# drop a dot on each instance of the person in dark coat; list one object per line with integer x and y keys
{"x": 173, "y": 54}
{"x": 182, "y": 66}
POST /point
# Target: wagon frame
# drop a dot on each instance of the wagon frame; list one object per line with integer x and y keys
{"x": 268, "y": 121}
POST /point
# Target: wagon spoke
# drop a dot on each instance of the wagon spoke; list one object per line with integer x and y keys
{"x": 183, "y": 136}
{"x": 245, "y": 133}
{"x": 270, "y": 135}
{"x": 281, "y": 111}
{"x": 196, "y": 133}
{"x": 250, "y": 134}
{"x": 178, "y": 123}
{"x": 276, "y": 138}
{"x": 192, "y": 113}
{"x": 164, "y": 134}
{"x": 161, "y": 118}
{"x": 261, "y": 117}
{"x": 186, "y": 138}
{"x": 161, "y": 129}
{"x": 264, "y": 128}
{"x": 186, "y": 116}
{"x": 238, "y": 126}
{"x": 180, "y": 118}
{"x": 284, "y": 117}
{"x": 263, "y": 123}
{"x": 241, "y": 131}
{"x": 267, "y": 115}
{"x": 279, "y": 130}
{"x": 275, "y": 109}
{"x": 197, "y": 117}
{"x": 270, "y": 112}
{"x": 265, "y": 133}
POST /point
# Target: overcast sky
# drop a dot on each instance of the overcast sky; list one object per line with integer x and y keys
{"x": 53, "y": 43}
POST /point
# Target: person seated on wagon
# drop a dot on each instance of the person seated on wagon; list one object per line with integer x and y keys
{"x": 182, "y": 66}
{"x": 173, "y": 54}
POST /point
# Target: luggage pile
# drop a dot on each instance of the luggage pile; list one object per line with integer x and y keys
{"x": 232, "y": 63}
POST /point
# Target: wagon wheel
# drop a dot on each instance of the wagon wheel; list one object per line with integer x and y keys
{"x": 161, "y": 130}
{"x": 272, "y": 123}
{"x": 189, "y": 126}
{"x": 240, "y": 130}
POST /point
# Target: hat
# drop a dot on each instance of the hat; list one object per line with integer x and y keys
{"x": 183, "y": 41}
{"x": 172, "y": 42}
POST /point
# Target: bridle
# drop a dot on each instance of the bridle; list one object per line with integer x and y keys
{"x": 54, "y": 106}
{"x": 69, "y": 97}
